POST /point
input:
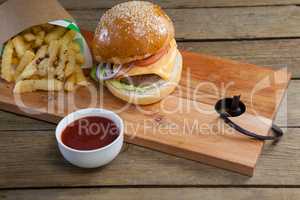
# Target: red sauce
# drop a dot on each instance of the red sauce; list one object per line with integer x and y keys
{"x": 90, "y": 133}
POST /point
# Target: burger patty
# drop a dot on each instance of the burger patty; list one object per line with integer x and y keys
{"x": 141, "y": 80}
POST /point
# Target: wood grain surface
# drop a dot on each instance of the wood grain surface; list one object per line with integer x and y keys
{"x": 266, "y": 34}
{"x": 92, "y": 4}
{"x": 156, "y": 193}
{"x": 220, "y": 23}
{"x": 272, "y": 53}
{"x": 28, "y": 156}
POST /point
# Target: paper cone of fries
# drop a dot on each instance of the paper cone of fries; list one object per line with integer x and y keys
{"x": 41, "y": 46}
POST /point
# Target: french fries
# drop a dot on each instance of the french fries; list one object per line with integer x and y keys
{"x": 25, "y": 60}
{"x": 19, "y": 46}
{"x": 44, "y": 57}
{"x": 75, "y": 46}
{"x": 34, "y": 85}
{"x": 52, "y": 52}
{"x": 70, "y": 83}
{"x": 80, "y": 78}
{"x": 6, "y": 68}
{"x": 47, "y": 27}
{"x": 79, "y": 58}
{"x": 29, "y": 37}
{"x": 36, "y": 29}
{"x": 71, "y": 65}
{"x": 68, "y": 37}
{"x": 42, "y": 68}
{"x": 29, "y": 70}
{"x": 39, "y": 39}
{"x": 41, "y": 53}
{"x": 63, "y": 56}
{"x": 55, "y": 34}
{"x": 15, "y": 61}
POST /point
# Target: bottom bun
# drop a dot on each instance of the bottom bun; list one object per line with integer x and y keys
{"x": 153, "y": 94}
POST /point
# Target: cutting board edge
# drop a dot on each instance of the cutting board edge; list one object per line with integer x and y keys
{"x": 47, "y": 117}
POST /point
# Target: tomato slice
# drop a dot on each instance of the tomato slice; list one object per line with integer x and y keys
{"x": 151, "y": 59}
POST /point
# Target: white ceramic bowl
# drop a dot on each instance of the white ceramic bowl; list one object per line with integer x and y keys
{"x": 90, "y": 158}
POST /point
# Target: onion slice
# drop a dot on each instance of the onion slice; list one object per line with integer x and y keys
{"x": 106, "y": 71}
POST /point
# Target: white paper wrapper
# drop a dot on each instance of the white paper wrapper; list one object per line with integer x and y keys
{"x": 79, "y": 39}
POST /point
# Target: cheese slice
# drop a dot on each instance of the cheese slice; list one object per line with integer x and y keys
{"x": 163, "y": 67}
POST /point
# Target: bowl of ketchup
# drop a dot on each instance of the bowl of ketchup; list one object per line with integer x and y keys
{"x": 90, "y": 137}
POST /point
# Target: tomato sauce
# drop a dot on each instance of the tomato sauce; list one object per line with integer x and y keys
{"x": 90, "y": 133}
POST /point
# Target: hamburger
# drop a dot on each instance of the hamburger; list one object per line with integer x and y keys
{"x": 137, "y": 56}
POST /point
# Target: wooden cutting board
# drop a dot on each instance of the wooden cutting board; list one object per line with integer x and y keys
{"x": 184, "y": 124}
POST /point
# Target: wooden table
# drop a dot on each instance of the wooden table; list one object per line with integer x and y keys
{"x": 262, "y": 32}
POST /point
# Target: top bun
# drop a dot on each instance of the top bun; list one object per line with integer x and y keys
{"x": 131, "y": 31}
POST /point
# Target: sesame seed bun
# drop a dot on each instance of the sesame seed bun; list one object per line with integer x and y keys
{"x": 131, "y": 31}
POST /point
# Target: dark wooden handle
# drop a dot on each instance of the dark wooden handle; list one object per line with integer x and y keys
{"x": 277, "y": 132}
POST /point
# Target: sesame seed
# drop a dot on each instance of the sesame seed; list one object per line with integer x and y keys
{"x": 138, "y": 13}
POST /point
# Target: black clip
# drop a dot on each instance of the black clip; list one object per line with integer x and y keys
{"x": 232, "y": 107}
